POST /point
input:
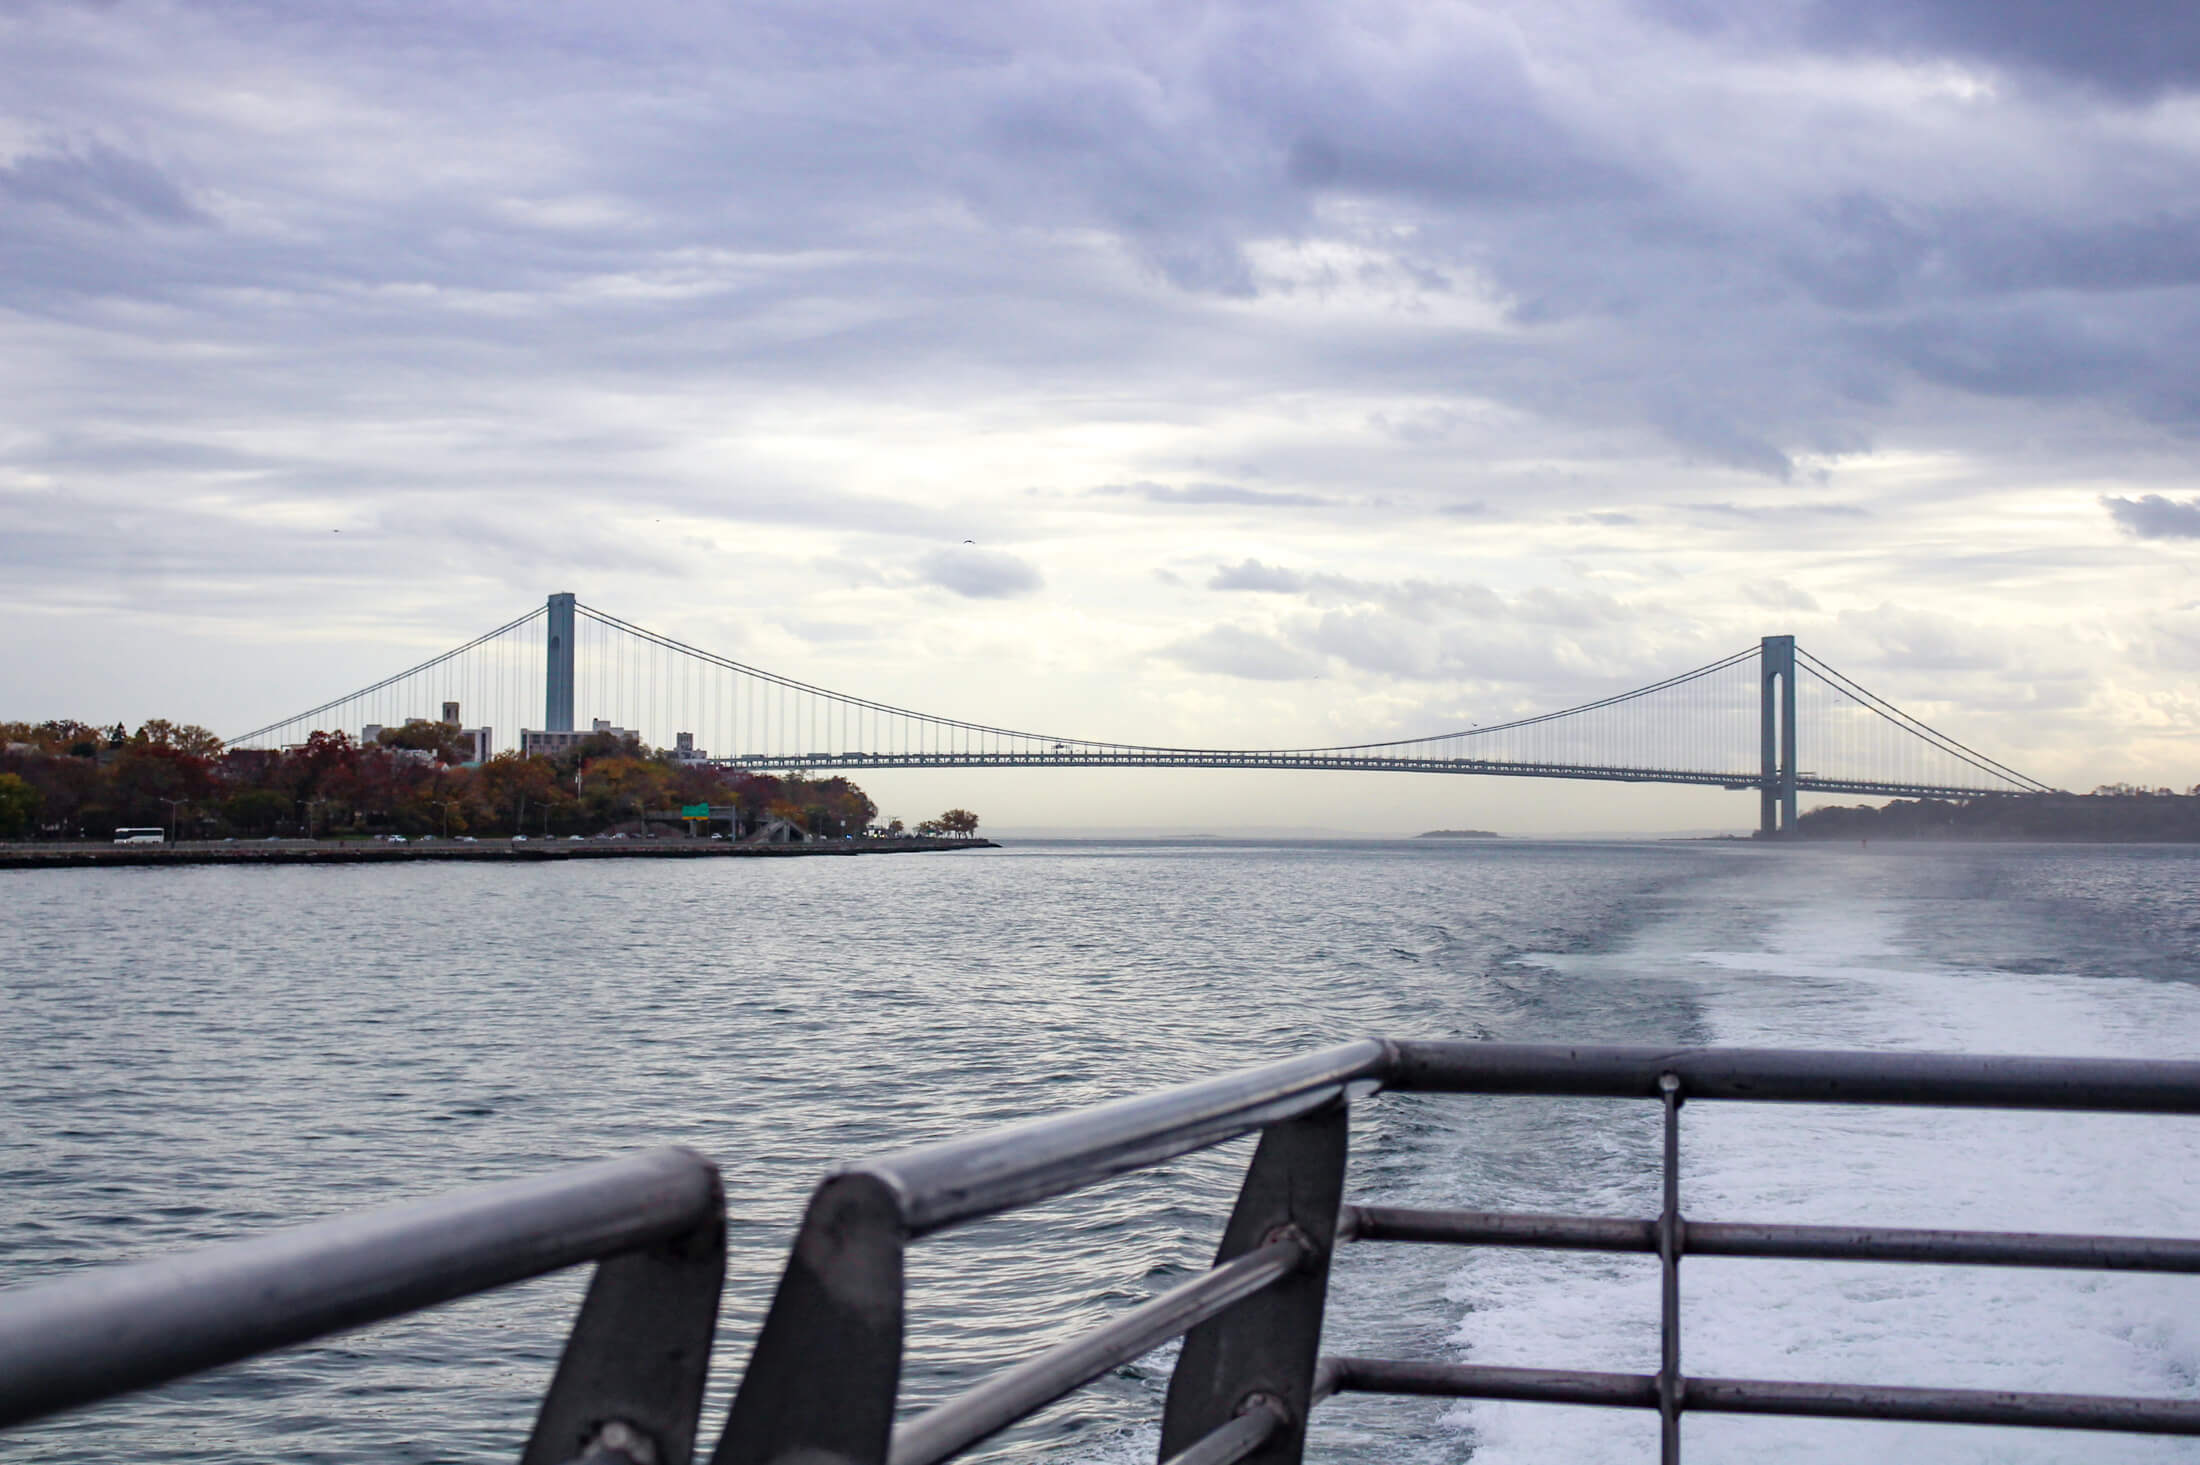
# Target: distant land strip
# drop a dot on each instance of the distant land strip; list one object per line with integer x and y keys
{"x": 1459, "y": 834}
{"x": 2111, "y": 814}
{"x": 359, "y": 852}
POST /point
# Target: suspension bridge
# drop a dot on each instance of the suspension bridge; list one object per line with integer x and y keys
{"x": 1751, "y": 720}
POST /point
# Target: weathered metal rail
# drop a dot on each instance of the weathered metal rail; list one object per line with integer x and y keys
{"x": 823, "y": 1381}
{"x": 627, "y": 1388}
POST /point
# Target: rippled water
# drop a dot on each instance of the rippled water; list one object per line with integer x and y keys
{"x": 198, "y": 1054}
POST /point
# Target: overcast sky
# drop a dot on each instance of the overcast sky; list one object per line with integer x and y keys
{"x": 1301, "y": 373}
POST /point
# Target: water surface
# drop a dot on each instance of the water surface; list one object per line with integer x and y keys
{"x": 199, "y": 1054}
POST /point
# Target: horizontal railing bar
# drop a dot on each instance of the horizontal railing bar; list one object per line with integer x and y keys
{"x": 1947, "y": 1248}
{"x": 960, "y": 1180}
{"x": 944, "y": 1432}
{"x": 1231, "y": 1442}
{"x": 1794, "y": 1243}
{"x": 1765, "y": 1396}
{"x": 108, "y": 1330}
{"x": 1946, "y": 1080}
{"x": 1481, "y": 1381}
{"x": 1496, "y": 1228}
{"x": 1945, "y": 1406}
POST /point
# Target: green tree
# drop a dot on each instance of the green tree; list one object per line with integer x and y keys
{"x": 187, "y": 738}
{"x": 421, "y": 735}
{"x": 258, "y": 810}
{"x": 19, "y": 804}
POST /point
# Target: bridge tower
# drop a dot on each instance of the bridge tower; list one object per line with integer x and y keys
{"x": 557, "y": 711}
{"x": 1776, "y": 786}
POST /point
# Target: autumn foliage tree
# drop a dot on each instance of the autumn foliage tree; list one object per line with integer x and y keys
{"x": 82, "y": 779}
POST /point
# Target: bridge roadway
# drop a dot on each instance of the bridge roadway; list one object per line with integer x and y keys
{"x": 1365, "y": 763}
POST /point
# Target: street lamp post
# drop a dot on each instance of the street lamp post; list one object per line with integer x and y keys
{"x": 173, "y": 805}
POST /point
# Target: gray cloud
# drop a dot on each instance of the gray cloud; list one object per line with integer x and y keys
{"x": 1417, "y": 601}
{"x": 1762, "y": 513}
{"x": 1535, "y": 656}
{"x": 979, "y": 574}
{"x": 1542, "y": 640}
{"x": 98, "y": 182}
{"x": 1779, "y": 595}
{"x": 735, "y": 230}
{"x": 1234, "y": 651}
{"x": 1253, "y": 575}
{"x": 2151, "y": 516}
{"x": 1209, "y": 493}
{"x": 1924, "y": 640}
{"x": 2138, "y": 48}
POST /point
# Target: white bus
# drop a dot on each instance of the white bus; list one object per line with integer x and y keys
{"x": 141, "y": 836}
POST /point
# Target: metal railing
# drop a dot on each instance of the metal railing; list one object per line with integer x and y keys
{"x": 823, "y": 1382}
{"x": 628, "y": 1387}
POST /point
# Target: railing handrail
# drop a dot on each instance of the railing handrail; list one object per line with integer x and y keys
{"x": 959, "y": 1180}
{"x": 940, "y": 1185}
{"x": 1799, "y": 1075}
{"x": 104, "y": 1331}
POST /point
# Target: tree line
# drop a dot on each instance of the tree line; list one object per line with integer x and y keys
{"x": 71, "y": 779}
{"x": 2112, "y": 814}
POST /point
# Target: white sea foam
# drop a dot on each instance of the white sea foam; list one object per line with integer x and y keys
{"x": 1848, "y": 963}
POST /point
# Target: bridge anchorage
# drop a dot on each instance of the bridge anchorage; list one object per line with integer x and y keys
{"x": 1746, "y": 721}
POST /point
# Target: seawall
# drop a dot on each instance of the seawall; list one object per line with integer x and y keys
{"x": 536, "y": 851}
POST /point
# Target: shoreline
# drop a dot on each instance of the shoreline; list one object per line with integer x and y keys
{"x": 360, "y": 852}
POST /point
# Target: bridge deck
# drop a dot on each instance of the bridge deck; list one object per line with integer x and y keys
{"x": 1731, "y": 779}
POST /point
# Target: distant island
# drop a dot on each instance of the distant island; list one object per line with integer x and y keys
{"x": 2115, "y": 814}
{"x": 1459, "y": 834}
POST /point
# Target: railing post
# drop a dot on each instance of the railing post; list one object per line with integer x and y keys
{"x": 1671, "y": 1242}
{"x": 639, "y": 1352}
{"x": 1261, "y": 1353}
{"x": 821, "y": 1383}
